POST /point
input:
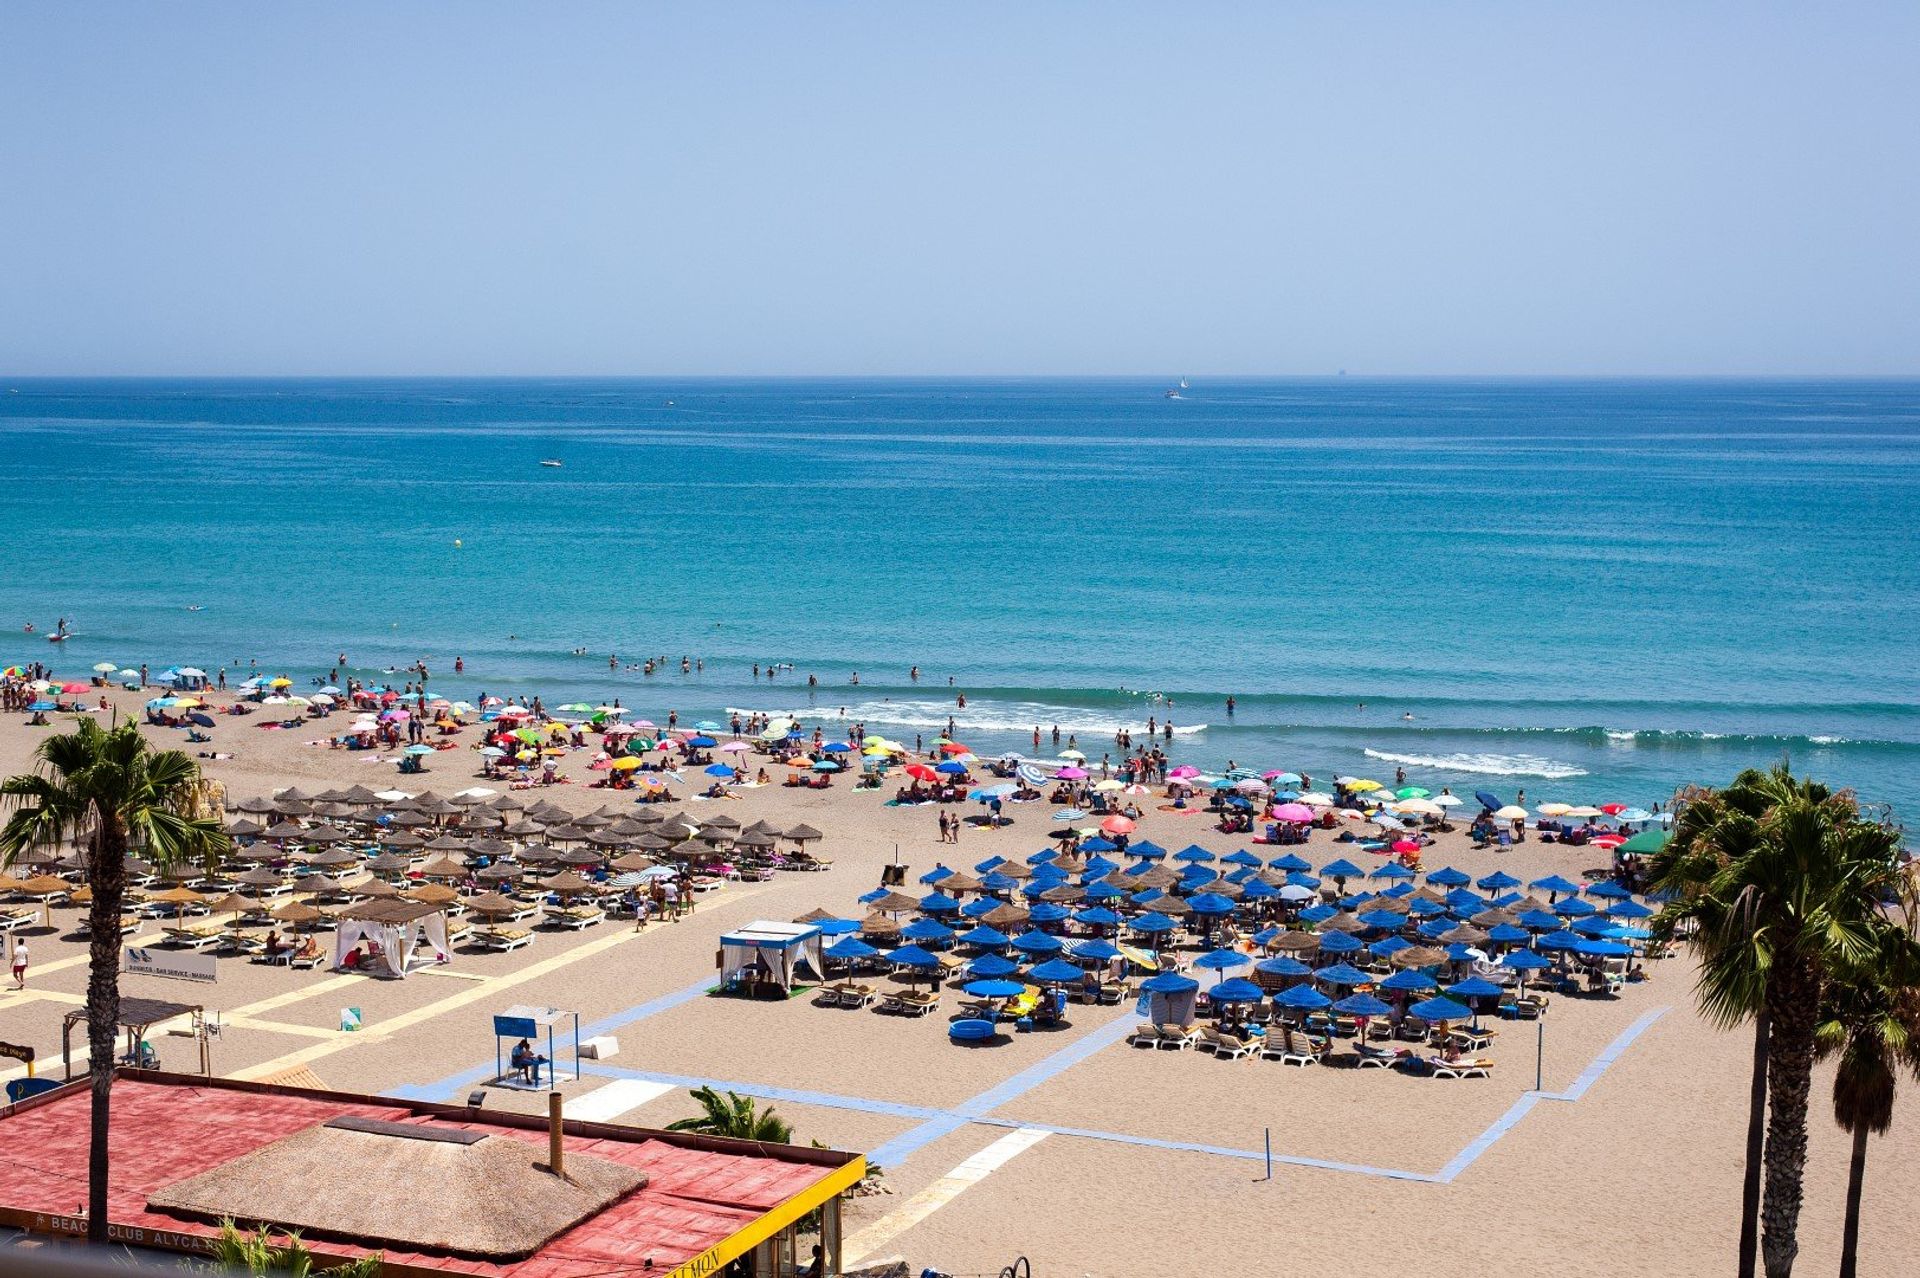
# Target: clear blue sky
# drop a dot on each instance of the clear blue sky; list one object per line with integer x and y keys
{"x": 959, "y": 188}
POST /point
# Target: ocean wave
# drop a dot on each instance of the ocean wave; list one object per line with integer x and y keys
{"x": 1496, "y": 765}
{"x": 993, "y": 716}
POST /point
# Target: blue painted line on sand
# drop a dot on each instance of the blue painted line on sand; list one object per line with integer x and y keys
{"x": 763, "y": 1091}
{"x": 1599, "y": 1065}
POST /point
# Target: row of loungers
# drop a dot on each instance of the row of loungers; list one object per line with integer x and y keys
{"x": 1296, "y": 1047}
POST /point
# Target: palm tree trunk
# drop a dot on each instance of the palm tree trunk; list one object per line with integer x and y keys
{"x": 1792, "y": 1003}
{"x": 1856, "y": 1176}
{"x": 107, "y": 871}
{"x": 1756, "y": 1146}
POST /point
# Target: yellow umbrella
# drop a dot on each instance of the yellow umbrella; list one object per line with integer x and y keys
{"x": 281, "y": 682}
{"x": 626, "y": 763}
{"x": 182, "y": 703}
{"x": 1362, "y": 786}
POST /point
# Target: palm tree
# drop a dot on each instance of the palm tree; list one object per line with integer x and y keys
{"x": 107, "y": 789}
{"x": 735, "y": 1115}
{"x": 1782, "y": 881}
{"x": 1870, "y": 1018}
{"x": 237, "y": 1252}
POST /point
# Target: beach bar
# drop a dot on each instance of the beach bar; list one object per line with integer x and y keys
{"x": 434, "y": 1189}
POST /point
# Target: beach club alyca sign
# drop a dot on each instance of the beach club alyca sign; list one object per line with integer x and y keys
{"x": 177, "y": 966}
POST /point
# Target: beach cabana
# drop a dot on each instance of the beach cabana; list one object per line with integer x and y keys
{"x": 397, "y": 927}
{"x": 771, "y": 955}
{"x": 1170, "y": 998}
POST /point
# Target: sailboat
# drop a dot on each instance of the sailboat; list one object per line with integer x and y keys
{"x": 1174, "y": 392}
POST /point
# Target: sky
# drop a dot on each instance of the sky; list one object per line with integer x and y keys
{"x": 981, "y": 188}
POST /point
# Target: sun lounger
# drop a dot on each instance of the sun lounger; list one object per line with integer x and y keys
{"x": 242, "y": 943}
{"x": 502, "y": 939}
{"x": 18, "y": 918}
{"x": 309, "y": 955}
{"x": 1292, "y": 1047}
{"x": 1176, "y": 1038}
{"x": 1470, "y": 1039}
{"x": 192, "y": 938}
{"x": 1230, "y": 1047}
{"x": 848, "y": 994}
{"x": 576, "y": 919}
{"x": 1145, "y": 1036}
{"x": 980, "y": 1008}
{"x": 1441, "y": 1067}
{"x": 1367, "y": 1056}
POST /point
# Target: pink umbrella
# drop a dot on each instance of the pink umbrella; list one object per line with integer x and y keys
{"x": 1117, "y": 825}
{"x": 1072, "y": 774}
{"x": 644, "y": 723}
{"x": 1405, "y": 845}
{"x": 735, "y": 747}
{"x": 1298, "y": 813}
{"x": 395, "y": 716}
{"x": 1185, "y": 770}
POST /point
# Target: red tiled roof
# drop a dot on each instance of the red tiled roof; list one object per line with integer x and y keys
{"x": 165, "y": 1132}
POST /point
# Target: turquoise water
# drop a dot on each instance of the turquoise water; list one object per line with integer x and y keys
{"x": 1590, "y": 589}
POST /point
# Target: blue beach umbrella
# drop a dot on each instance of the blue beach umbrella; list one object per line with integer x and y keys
{"x": 1210, "y": 903}
{"x": 1628, "y": 910}
{"x": 825, "y": 765}
{"x": 1048, "y": 912}
{"x": 1241, "y": 857}
{"x": 1465, "y": 902}
{"x": 992, "y": 965}
{"x": 1317, "y": 913}
{"x": 1340, "y": 943}
{"x": 1507, "y": 934}
{"x": 989, "y": 938}
{"x": 1098, "y": 843}
{"x": 1104, "y": 891}
{"x": 1526, "y": 961}
{"x": 1475, "y": 987}
{"x": 927, "y": 930}
{"x": 1236, "y": 990}
{"x": 702, "y": 742}
{"x": 1540, "y": 920}
{"x": 1055, "y": 971}
{"x": 1393, "y": 870}
{"x": 915, "y": 957}
{"x": 849, "y": 947}
{"x": 992, "y": 987}
{"x": 1222, "y": 960}
{"x": 1559, "y": 941}
{"x": 1342, "y": 974}
{"x": 950, "y": 768}
{"x": 1168, "y": 983}
{"x": 837, "y": 747}
{"x": 1362, "y": 1005}
{"x": 1387, "y": 919}
{"x": 1440, "y": 1009}
{"x": 1599, "y": 948}
{"x": 838, "y": 927}
{"x": 1290, "y": 862}
{"x": 979, "y": 906}
{"x": 1447, "y": 876}
{"x": 717, "y": 770}
{"x": 937, "y": 873}
{"x": 1281, "y": 965}
{"x": 1409, "y": 981}
{"x": 1153, "y": 921}
{"x": 1146, "y": 850}
{"x": 1389, "y": 947}
{"x": 1498, "y": 881}
{"x": 1097, "y": 917}
{"x": 1574, "y": 907}
{"x": 1341, "y": 869}
{"x": 1038, "y": 943}
{"x": 1255, "y": 890}
{"x": 1488, "y": 800}
{"x": 1299, "y": 878}
{"x": 1194, "y": 853}
{"x": 1607, "y": 889}
{"x": 989, "y": 865}
{"x": 1554, "y": 883}
{"x": 938, "y": 903}
{"x": 1096, "y": 950}
{"x": 1302, "y": 998}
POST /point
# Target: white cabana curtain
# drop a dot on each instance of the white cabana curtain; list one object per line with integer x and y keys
{"x": 397, "y": 941}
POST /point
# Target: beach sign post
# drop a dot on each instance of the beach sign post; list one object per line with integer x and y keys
{"x": 1539, "y": 1051}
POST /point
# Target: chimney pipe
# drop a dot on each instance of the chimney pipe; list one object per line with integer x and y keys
{"x": 556, "y": 1152}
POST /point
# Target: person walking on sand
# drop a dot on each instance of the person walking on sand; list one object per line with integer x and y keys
{"x": 19, "y": 963}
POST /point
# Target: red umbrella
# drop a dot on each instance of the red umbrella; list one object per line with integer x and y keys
{"x": 1613, "y": 809}
{"x": 72, "y": 688}
{"x": 1608, "y": 840}
{"x": 954, "y": 747}
{"x": 921, "y": 772}
{"x": 1405, "y": 845}
{"x": 1117, "y": 825}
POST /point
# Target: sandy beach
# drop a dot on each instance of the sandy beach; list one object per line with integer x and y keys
{"x": 1627, "y": 1162}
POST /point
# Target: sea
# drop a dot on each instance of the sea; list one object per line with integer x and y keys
{"x": 1584, "y": 590}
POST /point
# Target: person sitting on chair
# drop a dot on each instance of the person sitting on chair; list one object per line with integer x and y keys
{"x": 527, "y": 1061}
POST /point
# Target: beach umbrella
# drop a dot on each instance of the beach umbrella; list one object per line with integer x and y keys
{"x": 1038, "y": 943}
{"x": 927, "y": 930}
{"x": 827, "y": 926}
{"x": 1555, "y": 884}
{"x": 1525, "y": 961}
{"x": 1302, "y": 998}
{"x": 1448, "y": 877}
{"x": 1293, "y": 813}
{"x": 913, "y": 956}
{"x": 1098, "y": 916}
{"x": 1488, "y": 801}
{"x": 1608, "y": 889}
{"x": 1342, "y": 869}
{"x": 1342, "y": 974}
{"x": 1498, "y": 881}
{"x": 1563, "y": 940}
{"x": 1147, "y": 850}
{"x": 1055, "y": 971}
{"x": 1597, "y": 947}
{"x": 1507, "y": 933}
{"x": 1291, "y": 863}
{"x": 1389, "y": 947}
{"x": 1340, "y": 943}
{"x": 1409, "y": 981}
{"x": 1236, "y": 990}
{"x": 1440, "y": 1009}
{"x": 1153, "y": 922}
{"x": 938, "y": 903}
{"x": 1095, "y": 951}
{"x": 1362, "y": 1005}
{"x": 1475, "y": 987}
{"x": 1574, "y": 907}
{"x": 1394, "y": 870}
{"x": 1539, "y": 920}
{"x": 985, "y": 937}
{"x": 992, "y": 987}
{"x": 1210, "y": 903}
{"x": 989, "y": 965}
{"x": 1222, "y": 960}
{"x": 1628, "y": 909}
{"x": 1168, "y": 983}
{"x": 1048, "y": 912}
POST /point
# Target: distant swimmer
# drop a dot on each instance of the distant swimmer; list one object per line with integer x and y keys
{"x": 194, "y": 607}
{"x": 1407, "y": 715}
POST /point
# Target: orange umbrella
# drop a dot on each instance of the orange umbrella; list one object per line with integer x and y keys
{"x": 1117, "y": 825}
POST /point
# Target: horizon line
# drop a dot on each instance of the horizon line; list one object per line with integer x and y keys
{"x": 1339, "y": 375}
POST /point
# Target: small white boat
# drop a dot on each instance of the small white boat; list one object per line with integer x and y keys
{"x": 551, "y": 461}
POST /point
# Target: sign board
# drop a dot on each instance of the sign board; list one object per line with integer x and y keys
{"x": 515, "y": 1027}
{"x": 173, "y": 964}
{"x": 349, "y": 1019}
{"x": 13, "y": 1051}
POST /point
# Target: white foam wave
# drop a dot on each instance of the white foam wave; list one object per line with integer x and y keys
{"x": 1498, "y": 765}
{"x": 979, "y": 716}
